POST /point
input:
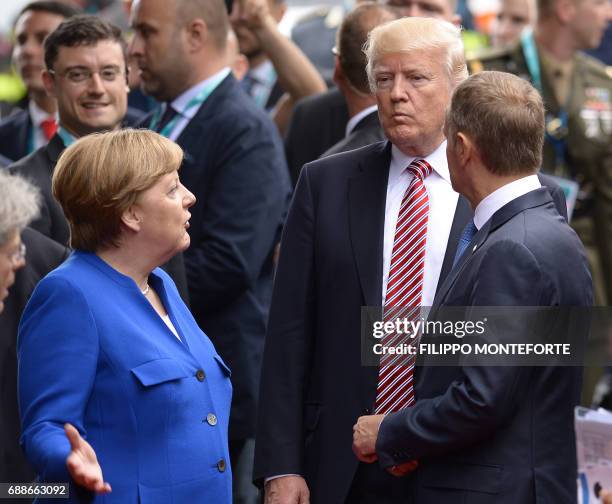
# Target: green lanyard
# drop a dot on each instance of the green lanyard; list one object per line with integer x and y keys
{"x": 556, "y": 127}
{"x": 195, "y": 102}
{"x": 530, "y": 52}
{"x": 67, "y": 138}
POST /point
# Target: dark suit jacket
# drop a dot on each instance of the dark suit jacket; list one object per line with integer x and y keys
{"x": 317, "y": 123}
{"x": 314, "y": 386}
{"x": 234, "y": 165}
{"x": 499, "y": 434}
{"x": 38, "y": 168}
{"x": 15, "y": 132}
{"x": 367, "y": 131}
{"x": 43, "y": 255}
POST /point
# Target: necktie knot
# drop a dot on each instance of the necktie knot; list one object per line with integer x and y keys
{"x": 420, "y": 168}
{"x": 48, "y": 127}
{"x": 169, "y": 114}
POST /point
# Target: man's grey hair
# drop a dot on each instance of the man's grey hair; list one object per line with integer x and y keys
{"x": 19, "y": 204}
{"x": 416, "y": 34}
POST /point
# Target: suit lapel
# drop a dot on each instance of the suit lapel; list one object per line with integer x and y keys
{"x": 54, "y": 149}
{"x": 191, "y": 136}
{"x": 367, "y": 197}
{"x": 530, "y": 200}
{"x": 463, "y": 213}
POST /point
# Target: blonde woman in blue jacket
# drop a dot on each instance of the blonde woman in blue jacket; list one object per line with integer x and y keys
{"x": 120, "y": 392}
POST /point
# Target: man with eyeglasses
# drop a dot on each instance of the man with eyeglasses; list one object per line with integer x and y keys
{"x": 86, "y": 74}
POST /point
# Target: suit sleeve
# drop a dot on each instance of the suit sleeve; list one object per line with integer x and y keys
{"x": 57, "y": 352}
{"x": 288, "y": 346}
{"x": 243, "y": 212}
{"x": 473, "y": 407}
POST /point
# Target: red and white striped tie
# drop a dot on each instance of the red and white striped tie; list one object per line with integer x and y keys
{"x": 395, "y": 389}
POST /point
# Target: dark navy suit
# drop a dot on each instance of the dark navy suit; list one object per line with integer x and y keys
{"x": 500, "y": 434}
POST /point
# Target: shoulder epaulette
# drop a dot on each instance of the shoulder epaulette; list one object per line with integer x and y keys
{"x": 594, "y": 65}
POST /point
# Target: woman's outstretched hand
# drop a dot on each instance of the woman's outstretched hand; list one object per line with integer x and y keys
{"x": 83, "y": 464}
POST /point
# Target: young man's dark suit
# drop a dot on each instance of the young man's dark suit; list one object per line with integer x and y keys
{"x": 499, "y": 434}
{"x": 16, "y": 131}
{"x": 314, "y": 386}
{"x": 43, "y": 255}
{"x": 234, "y": 165}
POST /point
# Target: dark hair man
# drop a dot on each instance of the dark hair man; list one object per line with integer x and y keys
{"x": 31, "y": 128}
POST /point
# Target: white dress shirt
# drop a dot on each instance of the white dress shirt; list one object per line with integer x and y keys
{"x": 442, "y": 205}
{"x": 502, "y": 196}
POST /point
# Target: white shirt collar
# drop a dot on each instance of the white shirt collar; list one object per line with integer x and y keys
{"x": 37, "y": 114}
{"x": 502, "y": 196}
{"x": 354, "y": 121}
{"x": 181, "y": 101}
{"x": 437, "y": 160}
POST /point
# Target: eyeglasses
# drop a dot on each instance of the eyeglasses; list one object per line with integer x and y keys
{"x": 18, "y": 256}
{"x": 80, "y": 75}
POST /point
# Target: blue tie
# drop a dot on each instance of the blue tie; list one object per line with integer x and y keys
{"x": 466, "y": 237}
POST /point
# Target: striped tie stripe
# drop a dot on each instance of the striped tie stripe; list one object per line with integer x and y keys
{"x": 404, "y": 289}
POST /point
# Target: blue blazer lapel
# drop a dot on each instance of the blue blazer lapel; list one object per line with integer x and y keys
{"x": 367, "y": 195}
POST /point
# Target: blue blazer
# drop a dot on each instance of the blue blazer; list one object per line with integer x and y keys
{"x": 93, "y": 352}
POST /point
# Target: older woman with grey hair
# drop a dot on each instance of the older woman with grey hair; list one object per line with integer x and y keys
{"x": 19, "y": 205}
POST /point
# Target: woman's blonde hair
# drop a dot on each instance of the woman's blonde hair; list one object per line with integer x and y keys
{"x": 100, "y": 176}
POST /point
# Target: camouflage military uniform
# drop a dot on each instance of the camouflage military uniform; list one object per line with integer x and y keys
{"x": 587, "y": 157}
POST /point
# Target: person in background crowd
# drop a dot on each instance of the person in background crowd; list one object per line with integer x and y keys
{"x": 350, "y": 76}
{"x": 33, "y": 126}
{"x": 577, "y": 91}
{"x": 279, "y": 72}
{"x": 25, "y": 262}
{"x": 513, "y": 18}
{"x": 19, "y": 205}
{"x": 234, "y": 164}
{"x": 318, "y": 122}
{"x": 130, "y": 401}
